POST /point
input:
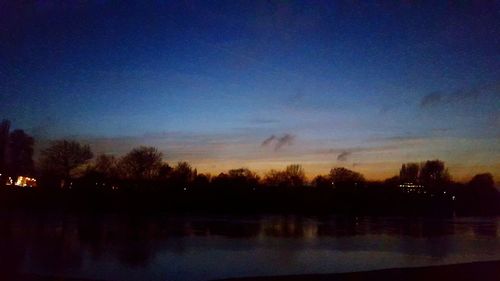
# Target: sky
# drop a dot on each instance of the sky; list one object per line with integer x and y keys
{"x": 366, "y": 85}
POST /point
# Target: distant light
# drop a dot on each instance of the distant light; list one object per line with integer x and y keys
{"x": 185, "y": 188}
{"x": 23, "y": 181}
{"x": 453, "y": 197}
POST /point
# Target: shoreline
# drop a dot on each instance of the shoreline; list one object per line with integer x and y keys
{"x": 484, "y": 271}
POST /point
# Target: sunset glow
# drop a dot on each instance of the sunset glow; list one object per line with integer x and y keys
{"x": 365, "y": 86}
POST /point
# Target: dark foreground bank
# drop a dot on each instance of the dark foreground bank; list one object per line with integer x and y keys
{"x": 304, "y": 200}
{"x": 484, "y": 271}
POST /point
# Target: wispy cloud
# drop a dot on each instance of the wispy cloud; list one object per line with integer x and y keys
{"x": 465, "y": 95}
{"x": 279, "y": 142}
{"x": 344, "y": 153}
{"x": 284, "y": 140}
{"x": 268, "y": 140}
{"x": 343, "y": 156}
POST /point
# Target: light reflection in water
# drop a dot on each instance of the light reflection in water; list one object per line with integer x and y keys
{"x": 198, "y": 248}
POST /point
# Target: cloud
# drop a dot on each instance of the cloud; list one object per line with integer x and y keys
{"x": 268, "y": 140}
{"x": 343, "y": 155}
{"x": 287, "y": 139}
{"x": 279, "y": 142}
{"x": 464, "y": 95}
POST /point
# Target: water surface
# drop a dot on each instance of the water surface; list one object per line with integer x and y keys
{"x": 119, "y": 247}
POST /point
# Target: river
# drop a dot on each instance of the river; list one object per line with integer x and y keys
{"x": 195, "y": 247}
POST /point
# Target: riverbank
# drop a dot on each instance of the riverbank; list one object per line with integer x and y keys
{"x": 301, "y": 201}
{"x": 484, "y": 271}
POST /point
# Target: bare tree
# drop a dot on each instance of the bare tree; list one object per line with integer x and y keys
{"x": 345, "y": 178}
{"x": 321, "y": 182}
{"x": 183, "y": 174}
{"x": 482, "y": 195}
{"x": 240, "y": 173}
{"x": 409, "y": 172}
{"x": 4, "y": 143}
{"x": 275, "y": 178}
{"x": 292, "y": 176}
{"x": 20, "y": 158}
{"x": 243, "y": 177}
{"x": 106, "y": 165}
{"x": 434, "y": 174}
{"x": 141, "y": 163}
{"x": 482, "y": 181}
{"x": 164, "y": 171}
{"x": 62, "y": 156}
{"x": 295, "y": 175}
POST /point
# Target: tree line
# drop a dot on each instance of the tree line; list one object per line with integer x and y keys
{"x": 68, "y": 165}
{"x": 16, "y": 151}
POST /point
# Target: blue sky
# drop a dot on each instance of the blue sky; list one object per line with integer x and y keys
{"x": 365, "y": 85}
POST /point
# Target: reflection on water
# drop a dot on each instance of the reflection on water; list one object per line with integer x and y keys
{"x": 119, "y": 247}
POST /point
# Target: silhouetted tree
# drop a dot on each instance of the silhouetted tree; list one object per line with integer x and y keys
{"x": 275, "y": 178}
{"x": 20, "y": 154}
{"x": 482, "y": 190}
{"x": 409, "y": 172}
{"x": 4, "y": 144}
{"x": 232, "y": 189}
{"x": 107, "y": 165}
{"x": 201, "y": 182}
{"x": 141, "y": 163}
{"x": 165, "y": 171}
{"x": 392, "y": 182}
{"x": 434, "y": 175}
{"x": 102, "y": 173}
{"x": 343, "y": 178}
{"x": 322, "y": 182}
{"x": 241, "y": 173}
{"x": 482, "y": 182}
{"x": 62, "y": 156}
{"x": 292, "y": 176}
{"x": 183, "y": 175}
{"x": 243, "y": 178}
{"x": 295, "y": 175}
